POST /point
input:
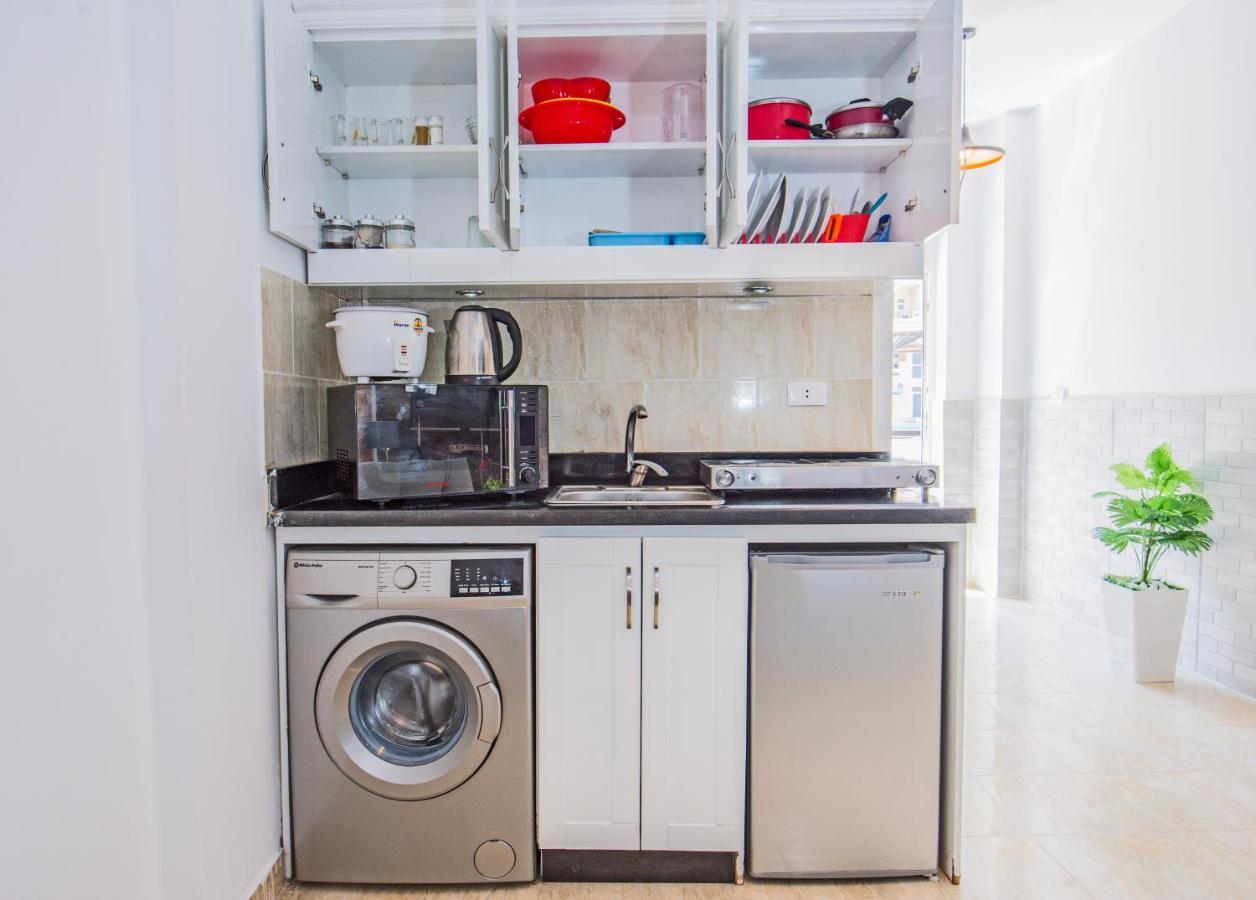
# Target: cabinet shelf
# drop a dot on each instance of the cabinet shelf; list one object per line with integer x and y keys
{"x": 438, "y": 161}
{"x": 814, "y": 156}
{"x": 615, "y": 265}
{"x": 611, "y": 160}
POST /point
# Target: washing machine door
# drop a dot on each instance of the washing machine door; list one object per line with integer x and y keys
{"x": 407, "y": 709}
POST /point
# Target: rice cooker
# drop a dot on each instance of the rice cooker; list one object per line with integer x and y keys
{"x": 381, "y": 341}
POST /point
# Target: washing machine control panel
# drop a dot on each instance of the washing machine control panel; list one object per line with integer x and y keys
{"x": 488, "y": 576}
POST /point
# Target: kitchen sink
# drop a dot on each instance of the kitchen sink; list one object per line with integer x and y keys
{"x": 616, "y": 495}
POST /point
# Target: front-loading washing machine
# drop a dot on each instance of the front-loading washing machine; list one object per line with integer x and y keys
{"x": 410, "y": 714}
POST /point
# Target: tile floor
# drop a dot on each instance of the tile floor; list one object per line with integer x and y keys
{"x": 1077, "y": 784}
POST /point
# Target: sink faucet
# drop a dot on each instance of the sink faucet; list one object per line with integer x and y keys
{"x": 637, "y": 468}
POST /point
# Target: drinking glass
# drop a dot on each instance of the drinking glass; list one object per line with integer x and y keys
{"x": 357, "y": 135}
{"x": 684, "y": 112}
{"x": 397, "y": 131}
{"x": 372, "y": 131}
{"x": 339, "y": 130}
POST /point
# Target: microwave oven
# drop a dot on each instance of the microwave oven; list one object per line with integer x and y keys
{"x": 395, "y": 440}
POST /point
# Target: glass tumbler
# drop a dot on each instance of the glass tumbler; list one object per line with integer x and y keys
{"x": 373, "y": 130}
{"x": 684, "y": 112}
{"x": 339, "y": 130}
{"x": 397, "y": 131}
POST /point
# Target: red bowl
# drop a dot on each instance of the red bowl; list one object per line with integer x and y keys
{"x": 572, "y": 120}
{"x": 588, "y": 88}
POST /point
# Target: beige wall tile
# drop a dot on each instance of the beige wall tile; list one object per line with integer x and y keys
{"x": 314, "y": 345}
{"x": 844, "y": 424}
{"x": 699, "y": 415}
{"x": 276, "y": 322}
{"x": 631, "y": 340}
{"x": 555, "y": 346}
{"x": 756, "y": 339}
{"x": 588, "y": 416}
{"x": 292, "y": 423}
{"x": 843, "y": 337}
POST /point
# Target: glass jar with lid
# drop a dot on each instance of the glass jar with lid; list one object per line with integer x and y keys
{"x": 337, "y": 233}
{"x": 399, "y": 233}
{"x": 369, "y": 232}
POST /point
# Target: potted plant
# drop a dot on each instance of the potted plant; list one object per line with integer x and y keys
{"x": 1144, "y": 613}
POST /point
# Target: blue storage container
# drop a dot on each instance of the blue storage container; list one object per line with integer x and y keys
{"x": 646, "y": 238}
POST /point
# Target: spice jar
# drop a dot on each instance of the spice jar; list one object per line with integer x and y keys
{"x": 422, "y": 134}
{"x": 369, "y": 232}
{"x": 436, "y": 129}
{"x": 337, "y": 234}
{"x": 399, "y": 233}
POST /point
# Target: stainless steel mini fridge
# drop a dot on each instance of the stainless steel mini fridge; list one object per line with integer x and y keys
{"x": 845, "y": 713}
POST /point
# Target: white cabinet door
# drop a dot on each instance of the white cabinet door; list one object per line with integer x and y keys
{"x": 735, "y": 82}
{"x": 490, "y": 83}
{"x": 588, "y": 656}
{"x": 929, "y": 173}
{"x": 693, "y": 709}
{"x": 713, "y": 172}
{"x": 293, "y": 168}
{"x": 511, "y": 170}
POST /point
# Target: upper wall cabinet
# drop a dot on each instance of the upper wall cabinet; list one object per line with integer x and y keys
{"x": 346, "y": 81}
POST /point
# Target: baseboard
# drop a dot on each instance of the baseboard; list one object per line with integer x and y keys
{"x": 269, "y": 881}
{"x": 638, "y": 865}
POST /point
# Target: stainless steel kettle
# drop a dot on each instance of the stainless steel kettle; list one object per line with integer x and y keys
{"x": 473, "y": 349}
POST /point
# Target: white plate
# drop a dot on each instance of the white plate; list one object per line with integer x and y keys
{"x": 759, "y": 218}
{"x": 807, "y": 224}
{"x": 795, "y": 216}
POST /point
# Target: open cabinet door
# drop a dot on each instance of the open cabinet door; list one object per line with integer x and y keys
{"x": 712, "y": 173}
{"x": 490, "y": 84}
{"x": 735, "y": 78}
{"x": 293, "y": 169}
{"x": 929, "y": 173}
{"x": 512, "y": 173}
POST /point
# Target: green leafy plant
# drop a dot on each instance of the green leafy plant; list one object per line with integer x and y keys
{"x": 1163, "y": 514}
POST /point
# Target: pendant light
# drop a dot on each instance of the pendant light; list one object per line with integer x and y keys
{"x": 974, "y": 155}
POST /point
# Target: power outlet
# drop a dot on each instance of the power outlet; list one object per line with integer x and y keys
{"x": 808, "y": 393}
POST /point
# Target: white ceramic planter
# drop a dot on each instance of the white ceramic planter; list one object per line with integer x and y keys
{"x": 1144, "y": 630}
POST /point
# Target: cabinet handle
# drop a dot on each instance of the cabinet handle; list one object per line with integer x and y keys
{"x": 656, "y": 598}
{"x": 628, "y": 587}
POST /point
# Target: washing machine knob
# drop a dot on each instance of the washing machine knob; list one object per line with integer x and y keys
{"x": 724, "y": 478}
{"x": 404, "y": 577}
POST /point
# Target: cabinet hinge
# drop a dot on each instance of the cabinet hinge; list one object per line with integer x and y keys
{"x": 913, "y": 74}
{"x": 320, "y": 212}
{"x": 318, "y": 84}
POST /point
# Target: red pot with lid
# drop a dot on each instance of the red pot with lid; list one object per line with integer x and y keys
{"x": 863, "y": 118}
{"x": 766, "y": 119}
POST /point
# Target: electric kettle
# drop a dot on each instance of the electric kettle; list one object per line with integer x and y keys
{"x": 473, "y": 351}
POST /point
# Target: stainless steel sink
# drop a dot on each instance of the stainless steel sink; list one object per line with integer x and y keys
{"x": 615, "y": 495}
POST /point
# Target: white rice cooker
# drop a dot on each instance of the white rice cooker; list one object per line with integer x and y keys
{"x": 381, "y": 341}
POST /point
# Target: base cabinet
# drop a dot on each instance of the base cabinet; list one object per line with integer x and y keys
{"x": 641, "y": 693}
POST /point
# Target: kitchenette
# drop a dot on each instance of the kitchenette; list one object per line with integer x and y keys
{"x": 508, "y": 657}
{"x": 595, "y": 560}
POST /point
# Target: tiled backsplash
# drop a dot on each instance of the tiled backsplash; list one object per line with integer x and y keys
{"x": 299, "y": 364}
{"x": 712, "y": 371}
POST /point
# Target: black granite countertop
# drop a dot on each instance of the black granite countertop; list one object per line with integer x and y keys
{"x": 300, "y": 499}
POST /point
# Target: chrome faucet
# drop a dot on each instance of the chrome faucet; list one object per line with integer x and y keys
{"x": 637, "y": 468}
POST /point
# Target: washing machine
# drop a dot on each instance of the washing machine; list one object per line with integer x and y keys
{"x": 410, "y": 714}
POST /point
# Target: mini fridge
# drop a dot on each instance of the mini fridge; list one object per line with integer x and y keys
{"x": 845, "y": 712}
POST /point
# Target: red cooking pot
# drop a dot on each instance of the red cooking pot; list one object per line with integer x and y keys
{"x": 556, "y": 88}
{"x": 863, "y": 118}
{"x": 572, "y": 120}
{"x": 767, "y": 119}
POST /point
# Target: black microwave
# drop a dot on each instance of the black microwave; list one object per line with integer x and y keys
{"x": 394, "y": 440}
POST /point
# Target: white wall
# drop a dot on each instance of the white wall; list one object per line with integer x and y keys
{"x": 139, "y": 662}
{"x": 1146, "y": 254}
